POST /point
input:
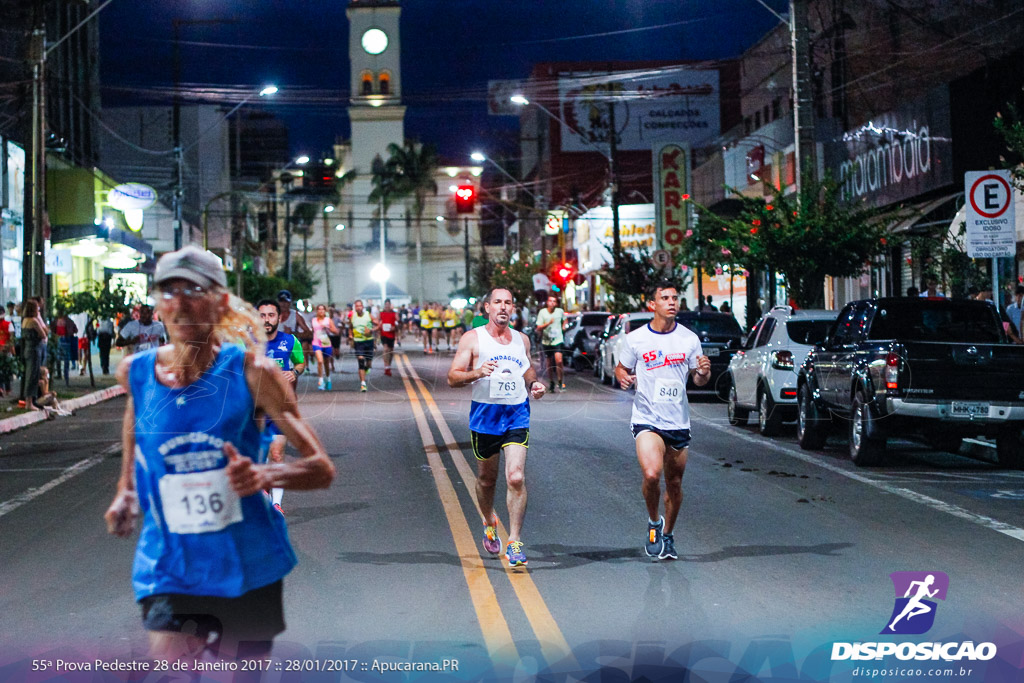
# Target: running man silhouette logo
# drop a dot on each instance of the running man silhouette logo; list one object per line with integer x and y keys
{"x": 914, "y": 612}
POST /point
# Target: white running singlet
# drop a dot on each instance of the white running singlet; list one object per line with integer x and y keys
{"x": 662, "y": 363}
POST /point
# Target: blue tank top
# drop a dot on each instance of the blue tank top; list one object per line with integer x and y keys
{"x": 280, "y": 349}
{"x": 197, "y": 537}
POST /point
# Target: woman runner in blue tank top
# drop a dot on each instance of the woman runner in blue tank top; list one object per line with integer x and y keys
{"x": 212, "y": 551}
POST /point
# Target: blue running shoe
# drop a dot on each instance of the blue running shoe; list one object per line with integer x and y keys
{"x": 515, "y": 555}
{"x": 492, "y": 543}
{"x": 655, "y": 543}
{"x": 668, "y": 551}
{"x": 328, "y": 384}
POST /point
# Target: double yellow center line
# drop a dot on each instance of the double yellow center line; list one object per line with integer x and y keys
{"x": 497, "y": 635}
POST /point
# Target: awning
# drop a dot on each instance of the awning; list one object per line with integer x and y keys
{"x": 71, "y": 233}
{"x": 924, "y": 216}
{"x": 391, "y": 292}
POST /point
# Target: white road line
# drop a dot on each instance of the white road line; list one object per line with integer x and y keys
{"x": 13, "y": 504}
{"x": 934, "y": 503}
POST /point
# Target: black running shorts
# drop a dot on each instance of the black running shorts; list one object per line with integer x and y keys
{"x": 485, "y": 446}
{"x": 364, "y": 353}
{"x": 254, "y": 616}
{"x": 551, "y": 349}
{"x": 673, "y": 438}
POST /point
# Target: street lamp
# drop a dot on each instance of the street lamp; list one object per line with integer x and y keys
{"x": 180, "y": 158}
{"x": 302, "y": 161}
{"x": 609, "y": 156}
{"x": 380, "y": 273}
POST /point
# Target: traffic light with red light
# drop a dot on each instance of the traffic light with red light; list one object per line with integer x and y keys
{"x": 563, "y": 273}
{"x": 465, "y": 198}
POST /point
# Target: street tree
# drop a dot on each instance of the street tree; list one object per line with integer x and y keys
{"x": 412, "y": 168}
{"x": 629, "y": 278}
{"x": 805, "y": 238}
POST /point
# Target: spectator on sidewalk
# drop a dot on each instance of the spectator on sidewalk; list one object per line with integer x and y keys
{"x": 34, "y": 333}
{"x": 67, "y": 339}
{"x": 105, "y": 336}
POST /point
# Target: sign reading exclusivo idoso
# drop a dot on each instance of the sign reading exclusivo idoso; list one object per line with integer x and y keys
{"x": 897, "y": 155}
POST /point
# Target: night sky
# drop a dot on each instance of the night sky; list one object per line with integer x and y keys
{"x": 450, "y": 49}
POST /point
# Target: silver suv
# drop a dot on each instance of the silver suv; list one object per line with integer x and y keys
{"x": 763, "y": 373}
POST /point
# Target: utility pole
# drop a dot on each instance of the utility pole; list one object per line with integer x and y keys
{"x": 466, "y": 248}
{"x": 803, "y": 92}
{"x": 613, "y": 149}
{"x": 32, "y": 269}
{"x": 179, "y": 187}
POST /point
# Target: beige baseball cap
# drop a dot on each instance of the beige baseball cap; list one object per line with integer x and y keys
{"x": 193, "y": 264}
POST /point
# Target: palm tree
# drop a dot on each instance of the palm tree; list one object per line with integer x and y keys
{"x": 302, "y": 217}
{"x": 411, "y": 168}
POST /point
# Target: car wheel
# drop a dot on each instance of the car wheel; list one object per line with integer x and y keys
{"x": 769, "y": 419}
{"x": 737, "y": 416}
{"x": 596, "y": 365}
{"x": 865, "y": 451}
{"x": 811, "y": 425}
{"x": 1010, "y": 447}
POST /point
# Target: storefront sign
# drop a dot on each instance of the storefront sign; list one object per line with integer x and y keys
{"x": 679, "y": 104}
{"x": 57, "y": 261}
{"x": 897, "y": 155}
{"x": 671, "y": 192}
{"x": 131, "y": 196}
{"x": 991, "y": 231}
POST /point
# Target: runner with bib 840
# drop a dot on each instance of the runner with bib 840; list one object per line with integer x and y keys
{"x": 659, "y": 357}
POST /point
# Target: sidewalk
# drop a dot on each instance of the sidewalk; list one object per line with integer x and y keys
{"x": 76, "y": 393}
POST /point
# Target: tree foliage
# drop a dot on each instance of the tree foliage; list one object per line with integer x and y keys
{"x": 1011, "y": 128}
{"x": 804, "y": 238}
{"x": 516, "y": 277}
{"x": 630, "y": 278}
{"x": 97, "y": 300}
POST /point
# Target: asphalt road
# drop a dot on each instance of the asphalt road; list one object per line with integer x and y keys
{"x": 782, "y": 552}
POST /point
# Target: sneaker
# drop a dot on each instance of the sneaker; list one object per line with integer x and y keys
{"x": 515, "y": 555}
{"x": 668, "y": 550}
{"x": 387, "y": 372}
{"x": 551, "y": 388}
{"x": 277, "y": 506}
{"x": 320, "y": 384}
{"x": 492, "y": 543}
{"x": 328, "y": 383}
{"x": 655, "y": 541}
{"x": 362, "y": 386}
{"x": 563, "y": 387}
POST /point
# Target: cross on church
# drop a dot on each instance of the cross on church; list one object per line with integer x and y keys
{"x": 455, "y": 279}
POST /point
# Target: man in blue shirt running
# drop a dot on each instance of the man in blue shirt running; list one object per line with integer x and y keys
{"x": 286, "y": 350}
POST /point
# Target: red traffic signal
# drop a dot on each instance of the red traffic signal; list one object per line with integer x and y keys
{"x": 563, "y": 273}
{"x": 465, "y": 198}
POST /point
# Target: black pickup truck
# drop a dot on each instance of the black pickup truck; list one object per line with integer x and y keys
{"x": 942, "y": 370}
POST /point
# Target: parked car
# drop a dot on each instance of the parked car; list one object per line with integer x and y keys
{"x": 763, "y": 373}
{"x": 609, "y": 324}
{"x": 583, "y": 338}
{"x": 720, "y": 337}
{"x": 611, "y": 348}
{"x": 939, "y": 369}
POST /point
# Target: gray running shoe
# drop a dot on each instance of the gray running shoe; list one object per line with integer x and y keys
{"x": 668, "y": 551}
{"x": 655, "y": 541}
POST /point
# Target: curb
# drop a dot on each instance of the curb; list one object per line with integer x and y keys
{"x": 21, "y": 421}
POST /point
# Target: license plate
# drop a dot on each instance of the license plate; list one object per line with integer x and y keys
{"x": 710, "y": 352}
{"x": 965, "y": 409}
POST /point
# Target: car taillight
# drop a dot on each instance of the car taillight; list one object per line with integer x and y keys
{"x": 892, "y": 371}
{"x": 782, "y": 360}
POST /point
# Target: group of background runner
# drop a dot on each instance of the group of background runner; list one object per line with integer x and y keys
{"x": 207, "y": 418}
